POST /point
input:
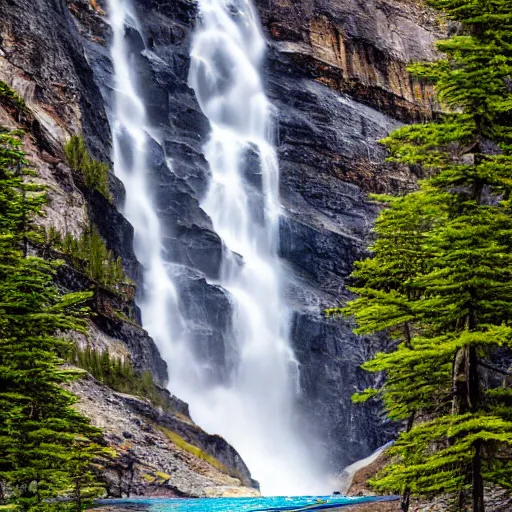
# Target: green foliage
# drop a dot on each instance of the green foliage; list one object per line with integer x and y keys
{"x": 90, "y": 255}
{"x": 440, "y": 277}
{"x": 18, "y": 198}
{"x": 95, "y": 173}
{"x": 9, "y": 98}
{"x": 116, "y": 373}
{"x": 442, "y": 471}
{"x": 197, "y": 452}
{"x": 85, "y": 463}
{"x": 41, "y": 435}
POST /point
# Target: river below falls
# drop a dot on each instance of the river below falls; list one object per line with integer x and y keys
{"x": 237, "y": 504}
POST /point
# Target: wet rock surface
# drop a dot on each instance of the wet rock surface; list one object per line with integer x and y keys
{"x": 336, "y": 75}
{"x": 329, "y": 156}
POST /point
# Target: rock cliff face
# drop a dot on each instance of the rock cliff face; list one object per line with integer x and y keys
{"x": 160, "y": 453}
{"x": 336, "y": 74}
{"x": 361, "y": 47}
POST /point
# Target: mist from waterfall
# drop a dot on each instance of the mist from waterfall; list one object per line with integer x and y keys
{"x": 254, "y": 408}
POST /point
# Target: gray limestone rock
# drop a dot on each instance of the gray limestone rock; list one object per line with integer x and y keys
{"x": 336, "y": 73}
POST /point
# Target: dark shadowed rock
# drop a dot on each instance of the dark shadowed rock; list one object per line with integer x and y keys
{"x": 336, "y": 73}
{"x": 116, "y": 230}
{"x": 207, "y": 311}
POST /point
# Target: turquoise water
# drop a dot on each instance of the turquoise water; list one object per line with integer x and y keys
{"x": 245, "y": 504}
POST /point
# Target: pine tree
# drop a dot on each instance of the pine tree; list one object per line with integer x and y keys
{"x": 462, "y": 316}
{"x": 90, "y": 255}
{"x": 386, "y": 292}
{"x": 451, "y": 312}
{"x": 85, "y": 463}
{"x": 40, "y": 433}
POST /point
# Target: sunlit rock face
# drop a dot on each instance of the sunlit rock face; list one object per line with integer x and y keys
{"x": 359, "y": 46}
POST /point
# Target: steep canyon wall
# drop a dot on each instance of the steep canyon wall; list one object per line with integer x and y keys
{"x": 336, "y": 73}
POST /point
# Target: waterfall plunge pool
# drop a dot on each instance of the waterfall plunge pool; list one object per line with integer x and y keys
{"x": 288, "y": 503}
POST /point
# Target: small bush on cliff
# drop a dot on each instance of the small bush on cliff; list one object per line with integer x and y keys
{"x": 42, "y": 438}
{"x": 9, "y": 98}
{"x": 90, "y": 255}
{"x": 440, "y": 280}
{"x": 94, "y": 172}
{"x": 116, "y": 373}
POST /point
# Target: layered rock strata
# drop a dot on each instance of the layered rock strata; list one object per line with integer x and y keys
{"x": 336, "y": 73}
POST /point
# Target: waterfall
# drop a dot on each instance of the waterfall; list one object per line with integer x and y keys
{"x": 256, "y": 412}
{"x": 254, "y": 408}
{"x": 131, "y": 138}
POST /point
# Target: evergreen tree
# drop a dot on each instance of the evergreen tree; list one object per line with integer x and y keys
{"x": 41, "y": 435}
{"x": 90, "y": 255}
{"x": 94, "y": 172}
{"x": 453, "y": 309}
{"x": 117, "y": 373}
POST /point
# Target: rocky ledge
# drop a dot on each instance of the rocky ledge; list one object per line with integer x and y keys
{"x": 160, "y": 453}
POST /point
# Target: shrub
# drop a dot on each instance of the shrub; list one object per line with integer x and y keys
{"x": 9, "y": 98}
{"x": 94, "y": 172}
{"x": 90, "y": 255}
{"x": 116, "y": 373}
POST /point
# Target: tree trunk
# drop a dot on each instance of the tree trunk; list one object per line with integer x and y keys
{"x": 460, "y": 387}
{"x": 465, "y": 379}
{"x": 474, "y": 399}
{"x": 405, "y": 501}
{"x": 408, "y": 336}
{"x": 478, "y": 481}
{"x": 78, "y": 495}
{"x": 466, "y": 397}
{"x": 473, "y": 380}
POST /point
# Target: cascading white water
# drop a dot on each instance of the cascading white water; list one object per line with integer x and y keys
{"x": 130, "y": 130}
{"x": 256, "y": 412}
{"x": 254, "y": 408}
